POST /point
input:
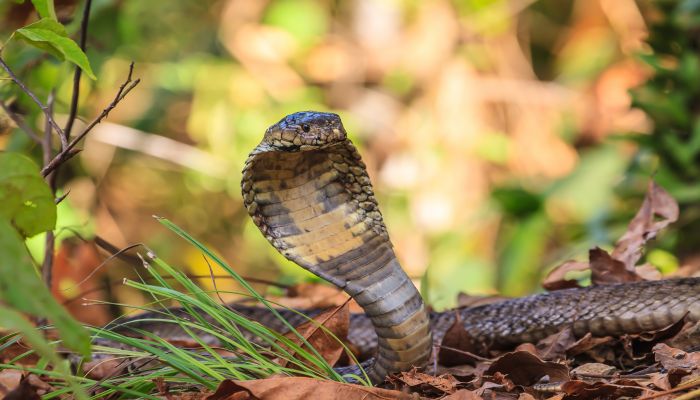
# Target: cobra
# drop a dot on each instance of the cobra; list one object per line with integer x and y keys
{"x": 307, "y": 190}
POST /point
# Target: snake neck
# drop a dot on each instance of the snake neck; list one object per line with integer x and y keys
{"x": 396, "y": 311}
{"x": 318, "y": 209}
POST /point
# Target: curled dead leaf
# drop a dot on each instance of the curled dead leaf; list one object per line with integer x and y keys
{"x": 607, "y": 270}
{"x": 658, "y": 210}
{"x": 555, "y": 346}
{"x": 672, "y": 358}
{"x": 687, "y": 337}
{"x": 588, "y": 344}
{"x": 458, "y": 347}
{"x": 526, "y": 369}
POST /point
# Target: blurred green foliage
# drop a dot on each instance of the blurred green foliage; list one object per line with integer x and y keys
{"x": 671, "y": 98}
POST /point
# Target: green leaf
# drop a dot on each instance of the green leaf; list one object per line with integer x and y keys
{"x": 45, "y": 8}
{"x": 50, "y": 36}
{"x": 27, "y": 201}
{"x": 48, "y": 24}
{"x": 21, "y": 288}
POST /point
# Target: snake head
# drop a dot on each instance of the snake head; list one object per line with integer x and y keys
{"x": 305, "y": 130}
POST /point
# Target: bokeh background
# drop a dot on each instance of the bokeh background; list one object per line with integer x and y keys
{"x": 500, "y": 134}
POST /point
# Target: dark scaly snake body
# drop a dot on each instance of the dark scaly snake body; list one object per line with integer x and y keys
{"x": 308, "y": 192}
{"x": 600, "y": 310}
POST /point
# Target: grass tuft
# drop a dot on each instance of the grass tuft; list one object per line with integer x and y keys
{"x": 151, "y": 358}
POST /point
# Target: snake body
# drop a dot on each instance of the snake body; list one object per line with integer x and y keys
{"x": 307, "y": 190}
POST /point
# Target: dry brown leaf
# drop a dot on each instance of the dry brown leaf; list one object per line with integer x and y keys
{"x": 659, "y": 380}
{"x": 588, "y": 344}
{"x": 528, "y": 347}
{"x": 9, "y": 379}
{"x": 526, "y": 369}
{"x": 640, "y": 345}
{"x": 458, "y": 347}
{"x": 105, "y": 368}
{"x": 619, "y": 266}
{"x": 74, "y": 271}
{"x": 672, "y": 358}
{"x": 687, "y": 337}
{"x": 424, "y": 383}
{"x": 593, "y": 370}
{"x": 24, "y": 391}
{"x": 556, "y": 278}
{"x": 607, "y": 270}
{"x": 291, "y": 388}
{"x": 580, "y": 390}
{"x": 463, "y": 394}
{"x": 463, "y": 373}
{"x": 645, "y": 225}
{"x": 503, "y": 380}
{"x": 335, "y": 321}
{"x": 526, "y": 396}
{"x": 554, "y": 346}
{"x": 17, "y": 348}
{"x": 648, "y": 272}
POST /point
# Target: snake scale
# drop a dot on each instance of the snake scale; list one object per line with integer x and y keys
{"x": 307, "y": 190}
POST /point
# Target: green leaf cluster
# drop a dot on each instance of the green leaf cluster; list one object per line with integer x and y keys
{"x": 671, "y": 99}
{"x": 672, "y": 95}
{"x": 28, "y": 208}
{"x": 49, "y": 35}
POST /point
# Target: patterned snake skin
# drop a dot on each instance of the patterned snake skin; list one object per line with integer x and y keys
{"x": 307, "y": 190}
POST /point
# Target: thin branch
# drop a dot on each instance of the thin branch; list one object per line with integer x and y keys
{"x": 20, "y": 123}
{"x": 29, "y": 93}
{"x": 78, "y": 72}
{"x": 47, "y": 265}
{"x": 46, "y": 142}
{"x": 61, "y": 198}
{"x": 67, "y": 152}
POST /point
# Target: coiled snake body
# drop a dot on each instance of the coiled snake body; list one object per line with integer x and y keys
{"x": 307, "y": 190}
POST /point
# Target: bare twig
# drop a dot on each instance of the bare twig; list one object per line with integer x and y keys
{"x": 78, "y": 72}
{"x": 62, "y": 197}
{"x": 47, "y": 265}
{"x": 46, "y": 141}
{"x": 20, "y": 123}
{"x": 67, "y": 152}
{"x": 25, "y": 89}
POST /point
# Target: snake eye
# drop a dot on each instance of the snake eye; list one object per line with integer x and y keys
{"x": 305, "y": 127}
